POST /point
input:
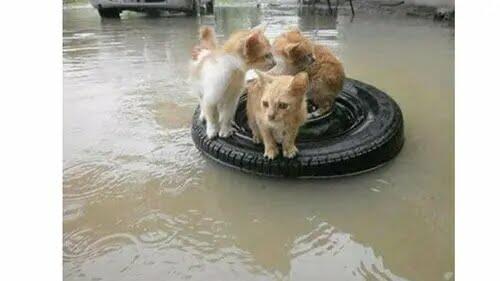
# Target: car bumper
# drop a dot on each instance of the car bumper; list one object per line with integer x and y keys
{"x": 134, "y": 5}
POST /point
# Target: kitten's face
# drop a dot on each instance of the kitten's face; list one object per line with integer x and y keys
{"x": 299, "y": 54}
{"x": 257, "y": 51}
{"x": 296, "y": 49}
{"x": 282, "y": 96}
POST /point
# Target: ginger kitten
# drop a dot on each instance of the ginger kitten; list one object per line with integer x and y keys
{"x": 217, "y": 74}
{"x": 276, "y": 108}
{"x": 297, "y": 53}
{"x": 327, "y": 78}
{"x": 293, "y": 53}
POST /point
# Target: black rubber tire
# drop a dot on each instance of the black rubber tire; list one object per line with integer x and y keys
{"x": 109, "y": 13}
{"x": 364, "y": 132}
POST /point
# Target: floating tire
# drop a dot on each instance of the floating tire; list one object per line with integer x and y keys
{"x": 363, "y": 131}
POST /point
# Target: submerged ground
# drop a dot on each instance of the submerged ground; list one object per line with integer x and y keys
{"x": 141, "y": 203}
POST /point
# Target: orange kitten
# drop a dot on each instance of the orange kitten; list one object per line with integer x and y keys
{"x": 294, "y": 53}
{"x": 327, "y": 78}
{"x": 276, "y": 108}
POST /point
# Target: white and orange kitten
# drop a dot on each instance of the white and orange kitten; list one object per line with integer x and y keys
{"x": 217, "y": 74}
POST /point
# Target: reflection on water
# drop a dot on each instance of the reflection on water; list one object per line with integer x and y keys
{"x": 141, "y": 203}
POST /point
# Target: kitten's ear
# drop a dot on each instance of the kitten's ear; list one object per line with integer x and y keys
{"x": 259, "y": 28}
{"x": 252, "y": 43}
{"x": 263, "y": 77}
{"x": 299, "y": 84}
{"x": 291, "y": 47}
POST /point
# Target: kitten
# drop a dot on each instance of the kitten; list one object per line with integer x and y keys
{"x": 327, "y": 78}
{"x": 297, "y": 53}
{"x": 217, "y": 74}
{"x": 276, "y": 108}
{"x": 293, "y": 53}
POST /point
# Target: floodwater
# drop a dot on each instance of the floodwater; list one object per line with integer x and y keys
{"x": 141, "y": 203}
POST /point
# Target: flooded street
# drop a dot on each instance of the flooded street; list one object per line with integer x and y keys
{"x": 142, "y": 203}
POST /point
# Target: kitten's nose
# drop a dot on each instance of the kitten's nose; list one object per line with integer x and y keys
{"x": 271, "y": 116}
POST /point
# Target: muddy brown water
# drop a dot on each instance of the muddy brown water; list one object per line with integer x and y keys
{"x": 141, "y": 203}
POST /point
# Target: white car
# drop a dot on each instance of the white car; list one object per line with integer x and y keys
{"x": 113, "y": 8}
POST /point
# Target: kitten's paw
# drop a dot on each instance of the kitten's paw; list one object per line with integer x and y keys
{"x": 212, "y": 132}
{"x": 290, "y": 151}
{"x": 271, "y": 152}
{"x": 256, "y": 139}
{"x": 226, "y": 132}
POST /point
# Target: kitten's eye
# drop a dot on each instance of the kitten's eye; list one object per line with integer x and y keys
{"x": 282, "y": 105}
{"x": 265, "y": 104}
{"x": 268, "y": 56}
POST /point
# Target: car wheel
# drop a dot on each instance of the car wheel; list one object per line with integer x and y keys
{"x": 109, "y": 13}
{"x": 153, "y": 13}
{"x": 194, "y": 9}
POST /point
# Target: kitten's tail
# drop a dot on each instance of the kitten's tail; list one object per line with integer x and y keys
{"x": 207, "y": 37}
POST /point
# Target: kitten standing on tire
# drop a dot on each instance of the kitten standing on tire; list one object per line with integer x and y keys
{"x": 218, "y": 75}
{"x": 276, "y": 108}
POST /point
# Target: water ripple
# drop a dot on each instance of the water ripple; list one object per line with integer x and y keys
{"x": 81, "y": 245}
{"x": 338, "y": 255}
